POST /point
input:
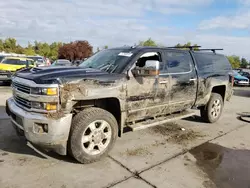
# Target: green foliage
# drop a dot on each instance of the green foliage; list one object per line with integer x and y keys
{"x": 10, "y": 45}
{"x": 106, "y": 47}
{"x": 29, "y": 50}
{"x": 184, "y": 46}
{"x": 235, "y": 61}
{"x": 148, "y": 42}
{"x": 243, "y": 63}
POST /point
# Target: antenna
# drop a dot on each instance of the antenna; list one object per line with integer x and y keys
{"x": 181, "y": 47}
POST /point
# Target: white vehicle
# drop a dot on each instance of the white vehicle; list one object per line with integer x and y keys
{"x": 39, "y": 60}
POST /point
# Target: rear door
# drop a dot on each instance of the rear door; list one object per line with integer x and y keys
{"x": 182, "y": 78}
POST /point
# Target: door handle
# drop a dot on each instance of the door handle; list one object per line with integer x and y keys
{"x": 192, "y": 79}
{"x": 164, "y": 82}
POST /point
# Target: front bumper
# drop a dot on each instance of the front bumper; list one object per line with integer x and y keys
{"x": 5, "y": 76}
{"x": 54, "y": 137}
{"x": 241, "y": 83}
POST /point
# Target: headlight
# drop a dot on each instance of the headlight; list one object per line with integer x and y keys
{"x": 44, "y": 106}
{"x": 44, "y": 91}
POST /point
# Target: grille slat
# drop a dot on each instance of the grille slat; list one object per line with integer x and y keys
{"x": 21, "y": 87}
{"x": 22, "y": 102}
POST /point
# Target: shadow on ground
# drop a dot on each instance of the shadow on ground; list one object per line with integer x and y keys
{"x": 195, "y": 118}
{"x": 240, "y": 92}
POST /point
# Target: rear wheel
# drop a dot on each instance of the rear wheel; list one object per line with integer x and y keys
{"x": 213, "y": 109}
{"x": 93, "y": 134}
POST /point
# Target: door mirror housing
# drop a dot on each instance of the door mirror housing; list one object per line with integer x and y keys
{"x": 151, "y": 68}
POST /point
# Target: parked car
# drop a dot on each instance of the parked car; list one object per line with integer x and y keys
{"x": 61, "y": 62}
{"x": 239, "y": 80}
{"x": 82, "y": 110}
{"x": 10, "y": 65}
{"x": 39, "y": 60}
{"x": 245, "y": 74}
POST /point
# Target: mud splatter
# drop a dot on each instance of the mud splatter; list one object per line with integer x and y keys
{"x": 184, "y": 136}
{"x": 173, "y": 133}
{"x": 55, "y": 115}
{"x": 226, "y": 168}
{"x": 4, "y": 154}
{"x": 141, "y": 151}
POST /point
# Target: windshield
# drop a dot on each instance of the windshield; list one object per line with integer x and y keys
{"x": 14, "y": 62}
{"x": 235, "y": 73}
{"x": 39, "y": 59}
{"x": 61, "y": 62}
{"x": 112, "y": 60}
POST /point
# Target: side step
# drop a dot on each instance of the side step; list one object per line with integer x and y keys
{"x": 160, "y": 120}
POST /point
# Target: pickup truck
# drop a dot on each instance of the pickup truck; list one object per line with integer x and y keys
{"x": 82, "y": 110}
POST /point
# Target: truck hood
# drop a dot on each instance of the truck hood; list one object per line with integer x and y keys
{"x": 49, "y": 75}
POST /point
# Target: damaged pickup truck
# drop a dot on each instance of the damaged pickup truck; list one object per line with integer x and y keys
{"x": 82, "y": 110}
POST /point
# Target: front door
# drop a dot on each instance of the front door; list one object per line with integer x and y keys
{"x": 182, "y": 79}
{"x": 145, "y": 96}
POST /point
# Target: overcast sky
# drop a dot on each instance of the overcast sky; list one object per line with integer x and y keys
{"x": 209, "y": 23}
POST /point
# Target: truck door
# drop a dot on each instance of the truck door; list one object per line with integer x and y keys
{"x": 145, "y": 96}
{"x": 182, "y": 79}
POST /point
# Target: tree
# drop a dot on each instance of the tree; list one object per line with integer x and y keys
{"x": 185, "y": 46}
{"x": 243, "y": 63}
{"x": 106, "y": 47}
{"x": 148, "y": 42}
{"x": 29, "y": 50}
{"x": 234, "y": 61}
{"x": 77, "y": 50}
{"x": 10, "y": 45}
{"x": 1, "y": 45}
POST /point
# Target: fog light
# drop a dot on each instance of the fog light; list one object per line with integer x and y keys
{"x": 50, "y": 106}
{"x": 41, "y": 128}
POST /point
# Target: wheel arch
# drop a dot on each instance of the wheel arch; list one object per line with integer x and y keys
{"x": 112, "y": 105}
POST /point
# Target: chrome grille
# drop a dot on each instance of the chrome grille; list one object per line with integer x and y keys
{"x": 22, "y": 101}
{"x": 21, "y": 87}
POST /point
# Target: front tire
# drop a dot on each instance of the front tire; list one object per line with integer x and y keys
{"x": 93, "y": 134}
{"x": 213, "y": 109}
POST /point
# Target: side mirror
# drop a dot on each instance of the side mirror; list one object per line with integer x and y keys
{"x": 151, "y": 68}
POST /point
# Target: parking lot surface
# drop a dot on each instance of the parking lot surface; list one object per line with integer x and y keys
{"x": 186, "y": 153}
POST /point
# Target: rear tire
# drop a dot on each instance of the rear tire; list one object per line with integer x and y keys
{"x": 93, "y": 134}
{"x": 213, "y": 109}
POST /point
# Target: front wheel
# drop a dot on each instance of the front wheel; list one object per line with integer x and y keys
{"x": 93, "y": 134}
{"x": 213, "y": 109}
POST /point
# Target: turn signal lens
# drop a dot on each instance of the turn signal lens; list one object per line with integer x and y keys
{"x": 51, "y": 91}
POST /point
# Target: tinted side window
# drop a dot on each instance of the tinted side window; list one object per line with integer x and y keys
{"x": 210, "y": 63}
{"x": 177, "y": 62}
{"x": 11, "y": 61}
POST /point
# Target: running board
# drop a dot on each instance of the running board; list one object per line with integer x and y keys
{"x": 160, "y": 120}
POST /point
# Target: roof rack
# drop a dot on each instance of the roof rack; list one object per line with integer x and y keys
{"x": 190, "y": 47}
{"x": 213, "y": 49}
